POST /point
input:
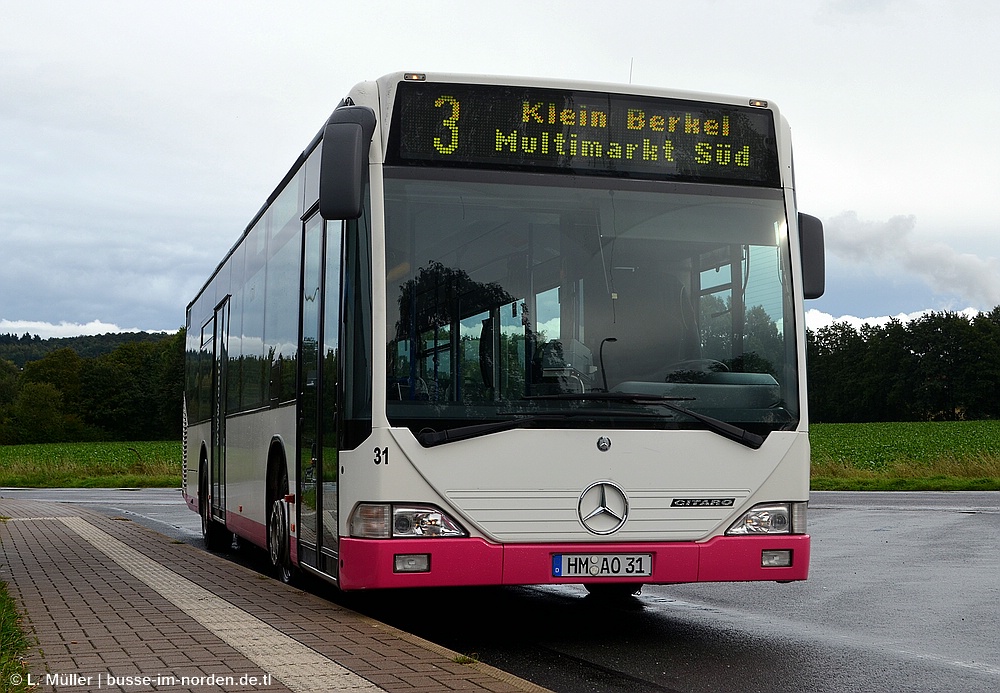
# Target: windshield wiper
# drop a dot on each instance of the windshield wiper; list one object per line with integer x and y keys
{"x": 450, "y": 435}
{"x": 429, "y": 438}
{"x": 724, "y": 429}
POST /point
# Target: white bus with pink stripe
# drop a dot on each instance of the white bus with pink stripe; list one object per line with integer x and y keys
{"x": 504, "y": 331}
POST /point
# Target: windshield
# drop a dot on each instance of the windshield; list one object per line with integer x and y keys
{"x": 514, "y": 296}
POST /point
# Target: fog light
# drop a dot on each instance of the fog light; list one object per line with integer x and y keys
{"x": 412, "y": 563}
{"x": 776, "y": 559}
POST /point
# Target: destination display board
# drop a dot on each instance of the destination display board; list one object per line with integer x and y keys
{"x": 582, "y": 132}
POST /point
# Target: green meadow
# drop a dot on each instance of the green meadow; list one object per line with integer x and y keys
{"x": 91, "y": 465}
{"x": 921, "y": 456}
{"x": 909, "y": 456}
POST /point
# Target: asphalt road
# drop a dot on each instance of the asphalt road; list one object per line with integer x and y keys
{"x": 903, "y": 595}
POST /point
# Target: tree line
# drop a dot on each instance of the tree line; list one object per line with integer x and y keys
{"x": 942, "y": 366}
{"x": 30, "y": 347}
{"x": 130, "y": 392}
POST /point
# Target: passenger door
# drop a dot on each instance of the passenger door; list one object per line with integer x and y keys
{"x": 319, "y": 311}
{"x": 220, "y": 358}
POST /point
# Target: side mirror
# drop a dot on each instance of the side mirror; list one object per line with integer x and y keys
{"x": 813, "y": 256}
{"x": 344, "y": 162}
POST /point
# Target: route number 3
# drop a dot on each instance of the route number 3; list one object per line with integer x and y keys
{"x": 451, "y": 123}
{"x": 381, "y": 456}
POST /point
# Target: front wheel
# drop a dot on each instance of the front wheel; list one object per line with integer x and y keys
{"x": 278, "y": 535}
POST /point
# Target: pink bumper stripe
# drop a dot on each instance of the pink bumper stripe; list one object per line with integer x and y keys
{"x": 370, "y": 563}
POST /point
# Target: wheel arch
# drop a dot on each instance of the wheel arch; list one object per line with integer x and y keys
{"x": 204, "y": 483}
{"x": 277, "y": 462}
{"x": 278, "y": 485}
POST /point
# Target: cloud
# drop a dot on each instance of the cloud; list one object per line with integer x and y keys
{"x": 891, "y": 246}
{"x": 817, "y": 319}
{"x": 47, "y": 330}
{"x": 124, "y": 269}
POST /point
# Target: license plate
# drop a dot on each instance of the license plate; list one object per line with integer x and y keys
{"x": 602, "y": 565}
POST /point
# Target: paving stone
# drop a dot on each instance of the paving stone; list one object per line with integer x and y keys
{"x": 104, "y": 596}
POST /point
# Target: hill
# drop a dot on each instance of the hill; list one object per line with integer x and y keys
{"x": 27, "y": 347}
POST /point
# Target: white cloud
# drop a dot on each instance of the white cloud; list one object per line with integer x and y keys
{"x": 47, "y": 330}
{"x": 817, "y": 319}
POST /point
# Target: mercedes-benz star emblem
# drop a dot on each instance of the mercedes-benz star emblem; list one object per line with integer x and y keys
{"x": 603, "y": 507}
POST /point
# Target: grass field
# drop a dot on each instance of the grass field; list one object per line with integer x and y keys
{"x": 91, "y": 465}
{"x": 925, "y": 456}
{"x": 914, "y": 456}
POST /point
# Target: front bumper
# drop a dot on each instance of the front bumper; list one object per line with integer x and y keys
{"x": 370, "y": 563}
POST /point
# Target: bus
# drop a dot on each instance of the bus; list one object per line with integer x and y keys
{"x": 512, "y": 331}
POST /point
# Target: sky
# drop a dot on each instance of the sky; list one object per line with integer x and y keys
{"x": 137, "y": 139}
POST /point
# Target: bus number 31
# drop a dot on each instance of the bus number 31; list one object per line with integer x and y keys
{"x": 381, "y": 455}
{"x": 451, "y": 123}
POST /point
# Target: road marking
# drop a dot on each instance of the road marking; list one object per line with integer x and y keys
{"x": 301, "y": 668}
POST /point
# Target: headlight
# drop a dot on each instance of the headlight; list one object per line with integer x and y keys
{"x": 423, "y": 521}
{"x": 771, "y": 518}
{"x": 382, "y": 521}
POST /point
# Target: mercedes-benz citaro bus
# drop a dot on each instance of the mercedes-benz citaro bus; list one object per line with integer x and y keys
{"x": 506, "y": 331}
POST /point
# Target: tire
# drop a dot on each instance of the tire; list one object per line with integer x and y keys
{"x": 217, "y": 538}
{"x": 278, "y": 535}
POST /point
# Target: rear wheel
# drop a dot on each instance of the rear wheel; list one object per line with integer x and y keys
{"x": 216, "y": 537}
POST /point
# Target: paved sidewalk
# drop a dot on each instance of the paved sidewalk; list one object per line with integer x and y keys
{"x": 114, "y": 606}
